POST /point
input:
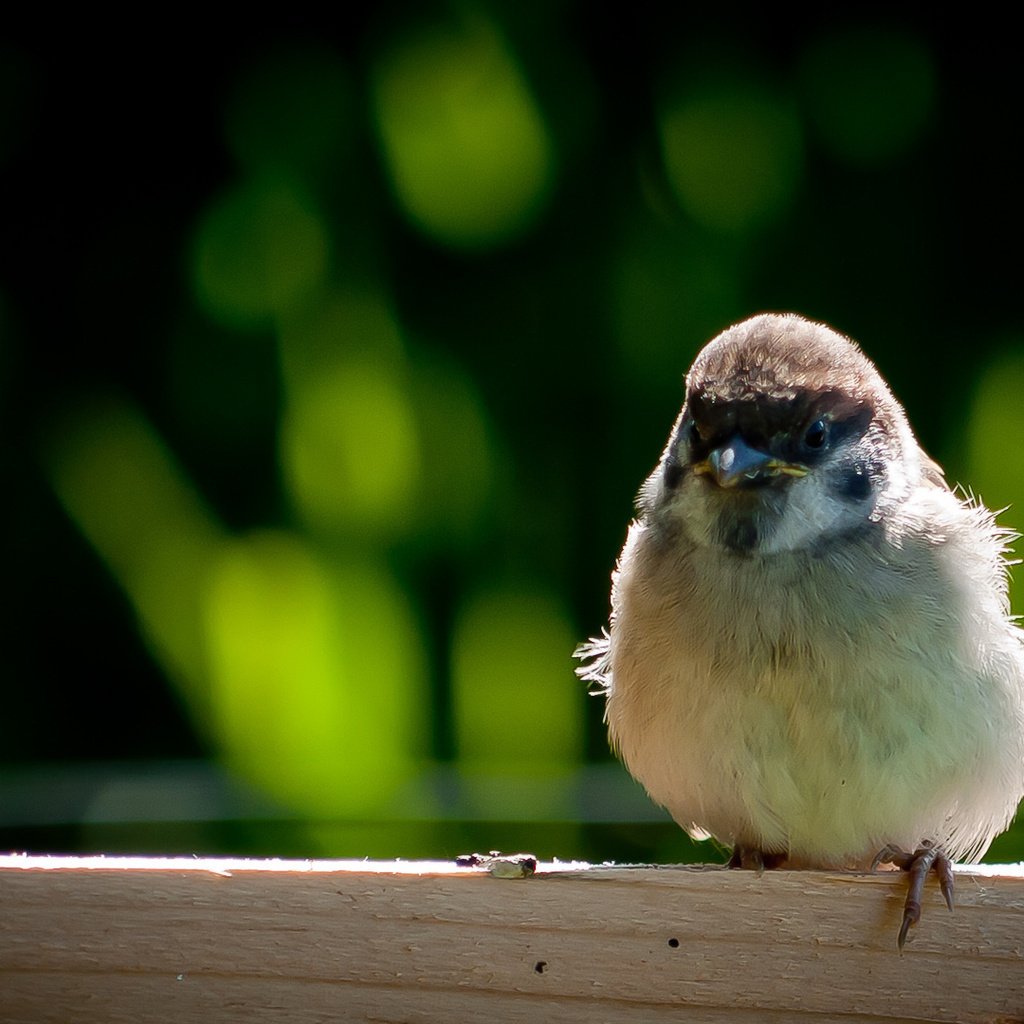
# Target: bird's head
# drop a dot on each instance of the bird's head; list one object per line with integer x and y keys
{"x": 788, "y": 437}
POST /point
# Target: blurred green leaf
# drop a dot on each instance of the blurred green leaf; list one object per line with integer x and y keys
{"x": 261, "y": 249}
{"x": 465, "y": 145}
{"x": 317, "y": 675}
{"x": 733, "y": 154}
{"x": 870, "y": 92}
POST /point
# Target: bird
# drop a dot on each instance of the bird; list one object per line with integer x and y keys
{"x": 810, "y": 655}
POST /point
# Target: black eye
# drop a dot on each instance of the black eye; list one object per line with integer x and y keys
{"x": 695, "y": 437}
{"x": 817, "y": 434}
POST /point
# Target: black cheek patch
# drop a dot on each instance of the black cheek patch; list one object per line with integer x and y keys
{"x": 854, "y": 482}
{"x": 672, "y": 473}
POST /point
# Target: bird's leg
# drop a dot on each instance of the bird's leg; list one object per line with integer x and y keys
{"x": 927, "y": 857}
{"x": 753, "y": 859}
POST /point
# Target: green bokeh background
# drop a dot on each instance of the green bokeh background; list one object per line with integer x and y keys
{"x": 332, "y": 354}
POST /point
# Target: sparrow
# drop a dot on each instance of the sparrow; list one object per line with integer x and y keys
{"x": 810, "y": 655}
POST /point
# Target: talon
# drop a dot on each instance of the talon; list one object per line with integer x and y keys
{"x": 748, "y": 858}
{"x": 885, "y": 856}
{"x": 944, "y": 869}
{"x": 891, "y": 854}
{"x": 904, "y": 928}
{"x": 752, "y": 859}
{"x": 926, "y": 858}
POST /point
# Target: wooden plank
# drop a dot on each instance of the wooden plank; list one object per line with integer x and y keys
{"x": 177, "y": 940}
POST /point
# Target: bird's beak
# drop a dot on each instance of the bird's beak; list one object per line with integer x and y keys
{"x": 736, "y": 462}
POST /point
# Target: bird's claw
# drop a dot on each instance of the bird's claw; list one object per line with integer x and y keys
{"x": 927, "y": 857}
{"x": 753, "y": 859}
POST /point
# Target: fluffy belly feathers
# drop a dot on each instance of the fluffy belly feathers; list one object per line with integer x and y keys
{"x": 826, "y": 748}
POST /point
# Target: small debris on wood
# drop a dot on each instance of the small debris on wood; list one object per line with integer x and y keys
{"x": 500, "y": 865}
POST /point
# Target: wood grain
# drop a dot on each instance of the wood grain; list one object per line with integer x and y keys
{"x": 164, "y": 940}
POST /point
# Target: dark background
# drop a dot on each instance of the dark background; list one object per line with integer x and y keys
{"x": 173, "y": 357}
